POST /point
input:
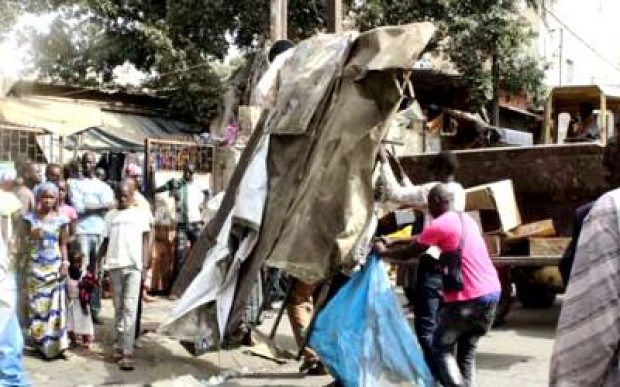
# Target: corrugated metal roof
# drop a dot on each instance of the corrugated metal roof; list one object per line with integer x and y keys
{"x": 98, "y": 126}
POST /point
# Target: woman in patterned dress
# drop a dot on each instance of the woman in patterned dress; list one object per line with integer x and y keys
{"x": 48, "y": 268}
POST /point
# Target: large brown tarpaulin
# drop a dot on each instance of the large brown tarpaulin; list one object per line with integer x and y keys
{"x": 320, "y": 175}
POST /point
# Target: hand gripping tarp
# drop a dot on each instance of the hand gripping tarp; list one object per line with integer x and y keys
{"x": 363, "y": 337}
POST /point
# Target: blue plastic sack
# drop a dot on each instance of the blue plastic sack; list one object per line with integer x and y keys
{"x": 363, "y": 337}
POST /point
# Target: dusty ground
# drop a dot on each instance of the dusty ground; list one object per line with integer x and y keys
{"x": 515, "y": 355}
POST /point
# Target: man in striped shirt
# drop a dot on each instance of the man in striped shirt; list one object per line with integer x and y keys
{"x": 588, "y": 333}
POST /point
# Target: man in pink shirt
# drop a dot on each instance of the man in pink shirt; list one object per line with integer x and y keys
{"x": 466, "y": 315}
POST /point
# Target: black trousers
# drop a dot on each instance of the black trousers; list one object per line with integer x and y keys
{"x": 461, "y": 325}
{"x": 427, "y": 301}
{"x": 186, "y": 232}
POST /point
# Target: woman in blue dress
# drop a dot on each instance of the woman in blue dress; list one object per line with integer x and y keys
{"x": 48, "y": 268}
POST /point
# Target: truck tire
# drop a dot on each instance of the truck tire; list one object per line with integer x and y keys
{"x": 535, "y": 296}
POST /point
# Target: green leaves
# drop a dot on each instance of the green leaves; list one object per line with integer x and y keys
{"x": 174, "y": 40}
{"x": 474, "y": 31}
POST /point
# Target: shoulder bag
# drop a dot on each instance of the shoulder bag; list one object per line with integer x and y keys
{"x": 451, "y": 264}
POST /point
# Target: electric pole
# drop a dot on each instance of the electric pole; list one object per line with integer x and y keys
{"x": 334, "y": 15}
{"x": 279, "y": 20}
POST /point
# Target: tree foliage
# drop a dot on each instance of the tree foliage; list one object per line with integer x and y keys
{"x": 175, "y": 41}
{"x": 474, "y": 32}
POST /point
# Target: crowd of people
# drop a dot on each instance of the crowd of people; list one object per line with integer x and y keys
{"x": 65, "y": 236}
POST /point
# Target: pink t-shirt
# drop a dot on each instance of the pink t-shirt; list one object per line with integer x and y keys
{"x": 479, "y": 275}
{"x": 68, "y": 211}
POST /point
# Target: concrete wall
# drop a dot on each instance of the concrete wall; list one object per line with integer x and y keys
{"x": 550, "y": 180}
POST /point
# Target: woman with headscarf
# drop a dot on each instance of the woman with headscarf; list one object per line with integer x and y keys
{"x": 48, "y": 268}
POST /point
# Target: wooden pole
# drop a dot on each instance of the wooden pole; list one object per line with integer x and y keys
{"x": 603, "y": 119}
{"x": 334, "y": 16}
{"x": 546, "y": 134}
{"x": 279, "y": 22}
{"x": 495, "y": 70}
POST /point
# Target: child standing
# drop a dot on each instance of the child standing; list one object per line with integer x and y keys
{"x": 80, "y": 284}
{"x": 125, "y": 247}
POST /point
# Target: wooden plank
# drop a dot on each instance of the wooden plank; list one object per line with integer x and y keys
{"x": 502, "y": 261}
{"x": 548, "y": 246}
{"x": 527, "y": 261}
{"x": 543, "y": 228}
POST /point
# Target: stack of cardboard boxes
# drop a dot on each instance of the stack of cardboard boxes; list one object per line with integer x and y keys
{"x": 495, "y": 209}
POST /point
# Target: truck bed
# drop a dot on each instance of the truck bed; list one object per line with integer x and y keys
{"x": 550, "y": 181}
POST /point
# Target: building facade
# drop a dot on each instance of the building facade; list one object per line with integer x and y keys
{"x": 578, "y": 40}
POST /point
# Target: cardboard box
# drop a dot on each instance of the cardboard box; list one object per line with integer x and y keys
{"x": 497, "y": 205}
{"x": 548, "y": 246}
{"x": 541, "y": 229}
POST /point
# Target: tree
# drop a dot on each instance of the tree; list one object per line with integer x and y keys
{"x": 489, "y": 41}
{"x": 176, "y": 42}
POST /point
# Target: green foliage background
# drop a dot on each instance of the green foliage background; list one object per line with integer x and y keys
{"x": 178, "y": 41}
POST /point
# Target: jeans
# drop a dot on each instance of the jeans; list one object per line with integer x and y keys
{"x": 89, "y": 247}
{"x": 461, "y": 325}
{"x": 427, "y": 300}
{"x": 126, "y": 283}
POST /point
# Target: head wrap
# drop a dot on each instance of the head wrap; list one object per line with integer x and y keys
{"x": 46, "y": 187}
{"x": 7, "y": 174}
{"x": 133, "y": 170}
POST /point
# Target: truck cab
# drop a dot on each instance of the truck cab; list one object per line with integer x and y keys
{"x": 569, "y": 109}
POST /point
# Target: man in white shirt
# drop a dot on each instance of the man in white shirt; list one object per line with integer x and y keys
{"x": 125, "y": 249}
{"x": 92, "y": 199}
{"x": 189, "y": 200}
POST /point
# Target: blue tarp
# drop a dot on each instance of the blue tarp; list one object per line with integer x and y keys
{"x": 363, "y": 337}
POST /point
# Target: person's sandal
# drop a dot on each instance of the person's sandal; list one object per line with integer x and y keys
{"x": 127, "y": 363}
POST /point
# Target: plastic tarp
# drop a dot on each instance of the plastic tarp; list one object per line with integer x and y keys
{"x": 320, "y": 176}
{"x": 61, "y": 118}
{"x": 201, "y": 314}
{"x": 363, "y": 337}
{"x": 88, "y": 124}
{"x": 124, "y": 130}
{"x": 320, "y": 192}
